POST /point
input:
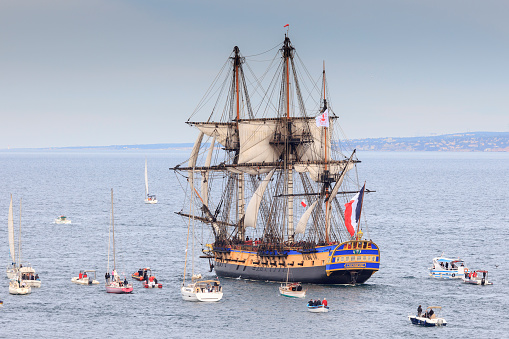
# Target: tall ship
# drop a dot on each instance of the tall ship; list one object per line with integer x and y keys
{"x": 272, "y": 180}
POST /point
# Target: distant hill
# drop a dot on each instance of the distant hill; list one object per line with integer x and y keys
{"x": 459, "y": 142}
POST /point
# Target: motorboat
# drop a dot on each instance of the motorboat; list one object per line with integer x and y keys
{"x": 479, "y": 277}
{"x": 86, "y": 277}
{"x": 29, "y": 277}
{"x": 430, "y": 317}
{"x": 447, "y": 268}
{"x": 142, "y": 274}
{"x": 318, "y": 309}
{"x": 202, "y": 290}
{"x": 152, "y": 283}
{"x": 62, "y": 220}
{"x": 18, "y": 287}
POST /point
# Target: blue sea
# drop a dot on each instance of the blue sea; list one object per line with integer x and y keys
{"x": 425, "y": 204}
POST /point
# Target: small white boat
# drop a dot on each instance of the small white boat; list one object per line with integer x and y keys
{"x": 29, "y": 277}
{"x": 87, "y": 277}
{"x": 202, "y": 290}
{"x": 18, "y": 287}
{"x": 150, "y": 199}
{"x": 479, "y": 277}
{"x": 318, "y": 309}
{"x": 62, "y": 220}
{"x": 447, "y": 268}
{"x": 292, "y": 290}
{"x": 430, "y": 317}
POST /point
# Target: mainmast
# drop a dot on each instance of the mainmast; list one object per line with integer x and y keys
{"x": 326, "y": 172}
{"x": 287, "y": 55}
{"x": 237, "y": 62}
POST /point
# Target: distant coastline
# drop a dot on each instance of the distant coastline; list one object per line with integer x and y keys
{"x": 458, "y": 142}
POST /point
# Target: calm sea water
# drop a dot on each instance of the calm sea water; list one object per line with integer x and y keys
{"x": 425, "y": 204}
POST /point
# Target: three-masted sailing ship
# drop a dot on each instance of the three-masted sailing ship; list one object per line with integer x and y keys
{"x": 276, "y": 187}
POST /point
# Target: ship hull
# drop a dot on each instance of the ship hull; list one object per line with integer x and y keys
{"x": 351, "y": 262}
{"x": 307, "y": 275}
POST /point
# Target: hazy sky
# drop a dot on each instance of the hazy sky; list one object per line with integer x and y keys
{"x": 103, "y": 72}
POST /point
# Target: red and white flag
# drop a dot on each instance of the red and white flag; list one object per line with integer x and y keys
{"x": 303, "y": 203}
{"x": 323, "y": 119}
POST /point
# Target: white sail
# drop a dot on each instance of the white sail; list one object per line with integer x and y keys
{"x": 255, "y": 146}
{"x": 314, "y": 151}
{"x": 205, "y": 175}
{"x": 146, "y": 178}
{"x": 10, "y": 225}
{"x": 254, "y": 203}
{"x": 224, "y": 133}
{"x": 193, "y": 159}
{"x": 301, "y": 226}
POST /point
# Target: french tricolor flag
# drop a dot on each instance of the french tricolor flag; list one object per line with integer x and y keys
{"x": 353, "y": 211}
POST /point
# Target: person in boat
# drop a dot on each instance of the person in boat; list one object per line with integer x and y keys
{"x": 324, "y": 302}
{"x": 446, "y": 265}
{"x": 419, "y": 311}
{"x": 430, "y": 314}
{"x": 84, "y": 275}
{"x": 299, "y": 287}
{"x": 318, "y": 302}
{"x": 37, "y": 277}
{"x": 80, "y": 276}
{"x": 140, "y": 273}
{"x": 107, "y": 276}
{"x": 311, "y": 302}
{"x": 125, "y": 282}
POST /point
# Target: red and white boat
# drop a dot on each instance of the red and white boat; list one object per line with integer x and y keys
{"x": 114, "y": 284}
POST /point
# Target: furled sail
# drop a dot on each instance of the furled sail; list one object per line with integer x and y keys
{"x": 301, "y": 226}
{"x": 254, "y": 203}
{"x": 255, "y": 146}
{"x": 205, "y": 175}
{"x": 193, "y": 159}
{"x": 10, "y": 226}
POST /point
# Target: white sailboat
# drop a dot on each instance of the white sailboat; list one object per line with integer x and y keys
{"x": 198, "y": 289}
{"x": 25, "y": 276}
{"x": 115, "y": 284}
{"x": 292, "y": 289}
{"x": 150, "y": 198}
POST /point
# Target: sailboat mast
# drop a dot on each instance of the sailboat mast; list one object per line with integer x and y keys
{"x": 113, "y": 231}
{"x": 19, "y": 237}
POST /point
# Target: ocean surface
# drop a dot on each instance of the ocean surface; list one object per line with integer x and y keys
{"x": 425, "y": 204}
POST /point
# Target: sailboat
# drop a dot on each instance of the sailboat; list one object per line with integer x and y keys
{"x": 291, "y": 289}
{"x": 22, "y": 281}
{"x": 150, "y": 199}
{"x": 114, "y": 284}
{"x": 24, "y": 272}
{"x": 286, "y": 156}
